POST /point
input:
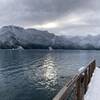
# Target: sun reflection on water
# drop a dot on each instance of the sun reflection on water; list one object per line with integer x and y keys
{"x": 45, "y": 76}
{"x": 48, "y": 73}
{"x": 49, "y": 68}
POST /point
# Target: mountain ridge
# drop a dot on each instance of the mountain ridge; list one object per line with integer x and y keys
{"x": 13, "y": 37}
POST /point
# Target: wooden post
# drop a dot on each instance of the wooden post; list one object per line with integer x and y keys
{"x": 89, "y": 74}
{"x": 78, "y": 89}
{"x": 85, "y": 81}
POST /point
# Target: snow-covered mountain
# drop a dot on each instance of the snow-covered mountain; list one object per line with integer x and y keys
{"x": 78, "y": 42}
{"x": 13, "y": 37}
{"x": 18, "y": 37}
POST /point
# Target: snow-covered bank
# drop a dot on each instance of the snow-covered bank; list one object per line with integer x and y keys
{"x": 93, "y": 92}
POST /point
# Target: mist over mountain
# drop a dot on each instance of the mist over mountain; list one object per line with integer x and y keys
{"x": 18, "y": 37}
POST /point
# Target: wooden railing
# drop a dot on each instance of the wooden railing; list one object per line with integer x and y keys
{"x": 77, "y": 87}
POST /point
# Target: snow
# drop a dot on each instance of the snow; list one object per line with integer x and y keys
{"x": 50, "y": 48}
{"x": 94, "y": 87}
{"x": 14, "y": 36}
{"x": 81, "y": 69}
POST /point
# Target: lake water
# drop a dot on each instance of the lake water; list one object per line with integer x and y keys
{"x": 39, "y": 74}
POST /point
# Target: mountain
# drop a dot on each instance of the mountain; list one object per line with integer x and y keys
{"x": 14, "y": 37}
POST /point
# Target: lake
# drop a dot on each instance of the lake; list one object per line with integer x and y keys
{"x": 39, "y": 74}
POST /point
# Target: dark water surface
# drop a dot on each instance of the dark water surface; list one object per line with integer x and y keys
{"x": 39, "y": 74}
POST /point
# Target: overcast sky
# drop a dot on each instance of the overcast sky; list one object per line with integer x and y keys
{"x": 69, "y": 17}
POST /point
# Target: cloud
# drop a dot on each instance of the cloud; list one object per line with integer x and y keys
{"x": 57, "y": 16}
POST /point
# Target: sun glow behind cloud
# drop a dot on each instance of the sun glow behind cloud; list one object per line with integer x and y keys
{"x": 62, "y": 22}
{"x": 46, "y": 25}
{"x": 72, "y": 24}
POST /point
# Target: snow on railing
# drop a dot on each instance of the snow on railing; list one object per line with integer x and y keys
{"x": 77, "y": 86}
